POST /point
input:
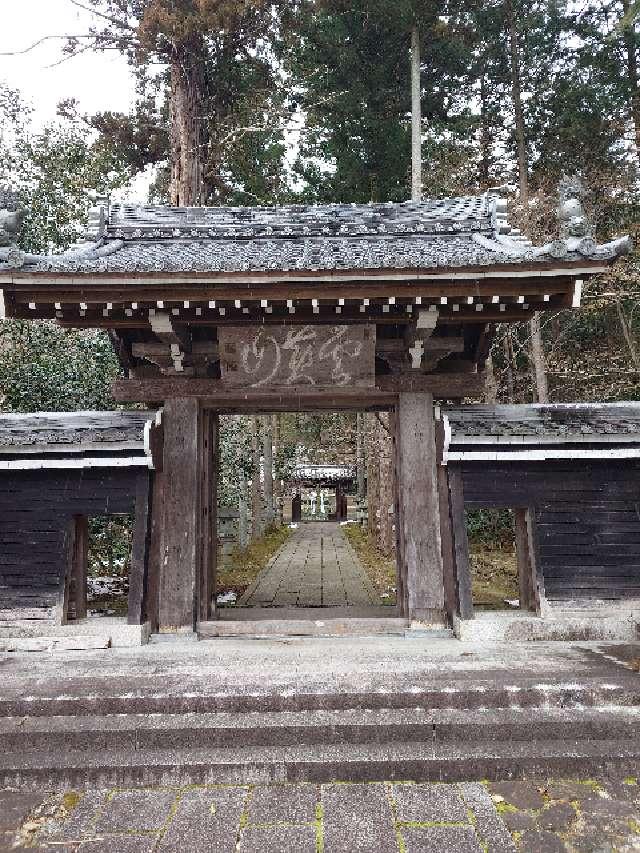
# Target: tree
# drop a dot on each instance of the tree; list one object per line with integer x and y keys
{"x": 351, "y": 71}
{"x": 222, "y": 117}
{"x": 43, "y": 367}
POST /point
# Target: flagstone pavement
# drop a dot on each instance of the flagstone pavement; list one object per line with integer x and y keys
{"x": 394, "y": 817}
{"x": 316, "y": 567}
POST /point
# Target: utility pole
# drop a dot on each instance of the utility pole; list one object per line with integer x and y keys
{"x": 416, "y": 117}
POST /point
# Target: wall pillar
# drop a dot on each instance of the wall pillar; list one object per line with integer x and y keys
{"x": 419, "y": 541}
{"x": 181, "y": 551}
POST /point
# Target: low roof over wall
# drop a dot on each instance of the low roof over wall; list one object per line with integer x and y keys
{"x": 538, "y": 432}
{"x": 52, "y": 440}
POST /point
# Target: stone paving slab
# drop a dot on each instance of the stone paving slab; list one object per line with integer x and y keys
{"x": 316, "y": 567}
{"x": 358, "y": 818}
{"x": 559, "y": 816}
{"x": 429, "y": 803}
{"x": 443, "y": 839}
{"x": 279, "y": 839}
{"x": 209, "y": 819}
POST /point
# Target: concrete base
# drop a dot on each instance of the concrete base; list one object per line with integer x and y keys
{"x": 94, "y": 632}
{"x": 498, "y": 627}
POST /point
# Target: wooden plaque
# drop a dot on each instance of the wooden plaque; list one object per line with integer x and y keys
{"x": 294, "y": 356}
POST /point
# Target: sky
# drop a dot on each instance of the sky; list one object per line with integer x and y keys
{"x": 98, "y": 81}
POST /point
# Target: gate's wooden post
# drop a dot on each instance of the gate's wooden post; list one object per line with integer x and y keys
{"x": 181, "y": 517}
{"x": 139, "y": 574}
{"x": 209, "y": 515}
{"x": 420, "y": 550}
{"x": 460, "y": 544}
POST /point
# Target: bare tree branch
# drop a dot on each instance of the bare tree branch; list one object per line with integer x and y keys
{"x": 109, "y": 18}
{"x": 42, "y": 41}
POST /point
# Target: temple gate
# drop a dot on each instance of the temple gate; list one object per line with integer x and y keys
{"x": 381, "y": 307}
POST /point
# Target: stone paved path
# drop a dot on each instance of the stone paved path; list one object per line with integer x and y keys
{"x": 316, "y": 567}
{"x": 554, "y": 817}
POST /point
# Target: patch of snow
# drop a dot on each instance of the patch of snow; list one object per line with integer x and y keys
{"x": 229, "y": 597}
{"x": 106, "y": 585}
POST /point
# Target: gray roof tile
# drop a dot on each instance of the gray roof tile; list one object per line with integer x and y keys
{"x": 470, "y": 231}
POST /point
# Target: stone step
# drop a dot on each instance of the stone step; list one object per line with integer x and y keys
{"x": 383, "y": 726}
{"x": 319, "y": 763}
{"x": 182, "y": 695}
{"x": 319, "y": 627}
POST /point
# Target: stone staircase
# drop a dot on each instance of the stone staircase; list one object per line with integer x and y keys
{"x": 448, "y": 729}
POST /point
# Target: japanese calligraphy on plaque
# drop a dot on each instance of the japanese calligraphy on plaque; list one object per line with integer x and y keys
{"x": 291, "y": 356}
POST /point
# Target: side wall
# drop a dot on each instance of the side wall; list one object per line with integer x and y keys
{"x": 587, "y": 520}
{"x": 36, "y": 508}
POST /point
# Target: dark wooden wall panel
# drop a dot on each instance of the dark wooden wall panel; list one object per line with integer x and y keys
{"x": 587, "y": 520}
{"x": 35, "y": 510}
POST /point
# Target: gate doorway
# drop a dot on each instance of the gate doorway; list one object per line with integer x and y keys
{"x": 288, "y": 550}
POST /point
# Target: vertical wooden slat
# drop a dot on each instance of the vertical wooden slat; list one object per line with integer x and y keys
{"x": 418, "y": 505}
{"x": 139, "y": 574}
{"x": 460, "y": 544}
{"x": 179, "y": 571}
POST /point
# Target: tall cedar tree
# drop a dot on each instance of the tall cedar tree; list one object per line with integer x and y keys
{"x": 220, "y": 69}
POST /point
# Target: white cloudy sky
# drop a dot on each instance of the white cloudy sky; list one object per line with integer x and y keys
{"x": 98, "y": 81}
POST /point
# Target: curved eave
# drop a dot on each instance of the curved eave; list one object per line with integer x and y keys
{"x": 572, "y": 268}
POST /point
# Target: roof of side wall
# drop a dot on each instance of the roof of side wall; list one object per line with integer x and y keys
{"x": 541, "y": 432}
{"x": 50, "y": 440}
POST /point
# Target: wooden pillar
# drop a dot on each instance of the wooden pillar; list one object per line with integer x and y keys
{"x": 420, "y": 548}
{"x": 460, "y": 541}
{"x": 296, "y": 508}
{"x": 446, "y": 535}
{"x": 72, "y": 594}
{"x": 181, "y": 515}
{"x": 208, "y": 562}
{"x": 339, "y": 506}
{"x": 155, "y": 549}
{"x": 525, "y": 573}
{"x": 139, "y": 572}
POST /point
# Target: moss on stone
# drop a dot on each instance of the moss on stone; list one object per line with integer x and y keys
{"x": 70, "y": 800}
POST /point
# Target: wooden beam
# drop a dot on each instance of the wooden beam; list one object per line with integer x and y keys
{"x": 139, "y": 573}
{"x": 216, "y": 395}
{"x": 418, "y": 508}
{"x": 445, "y": 385}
